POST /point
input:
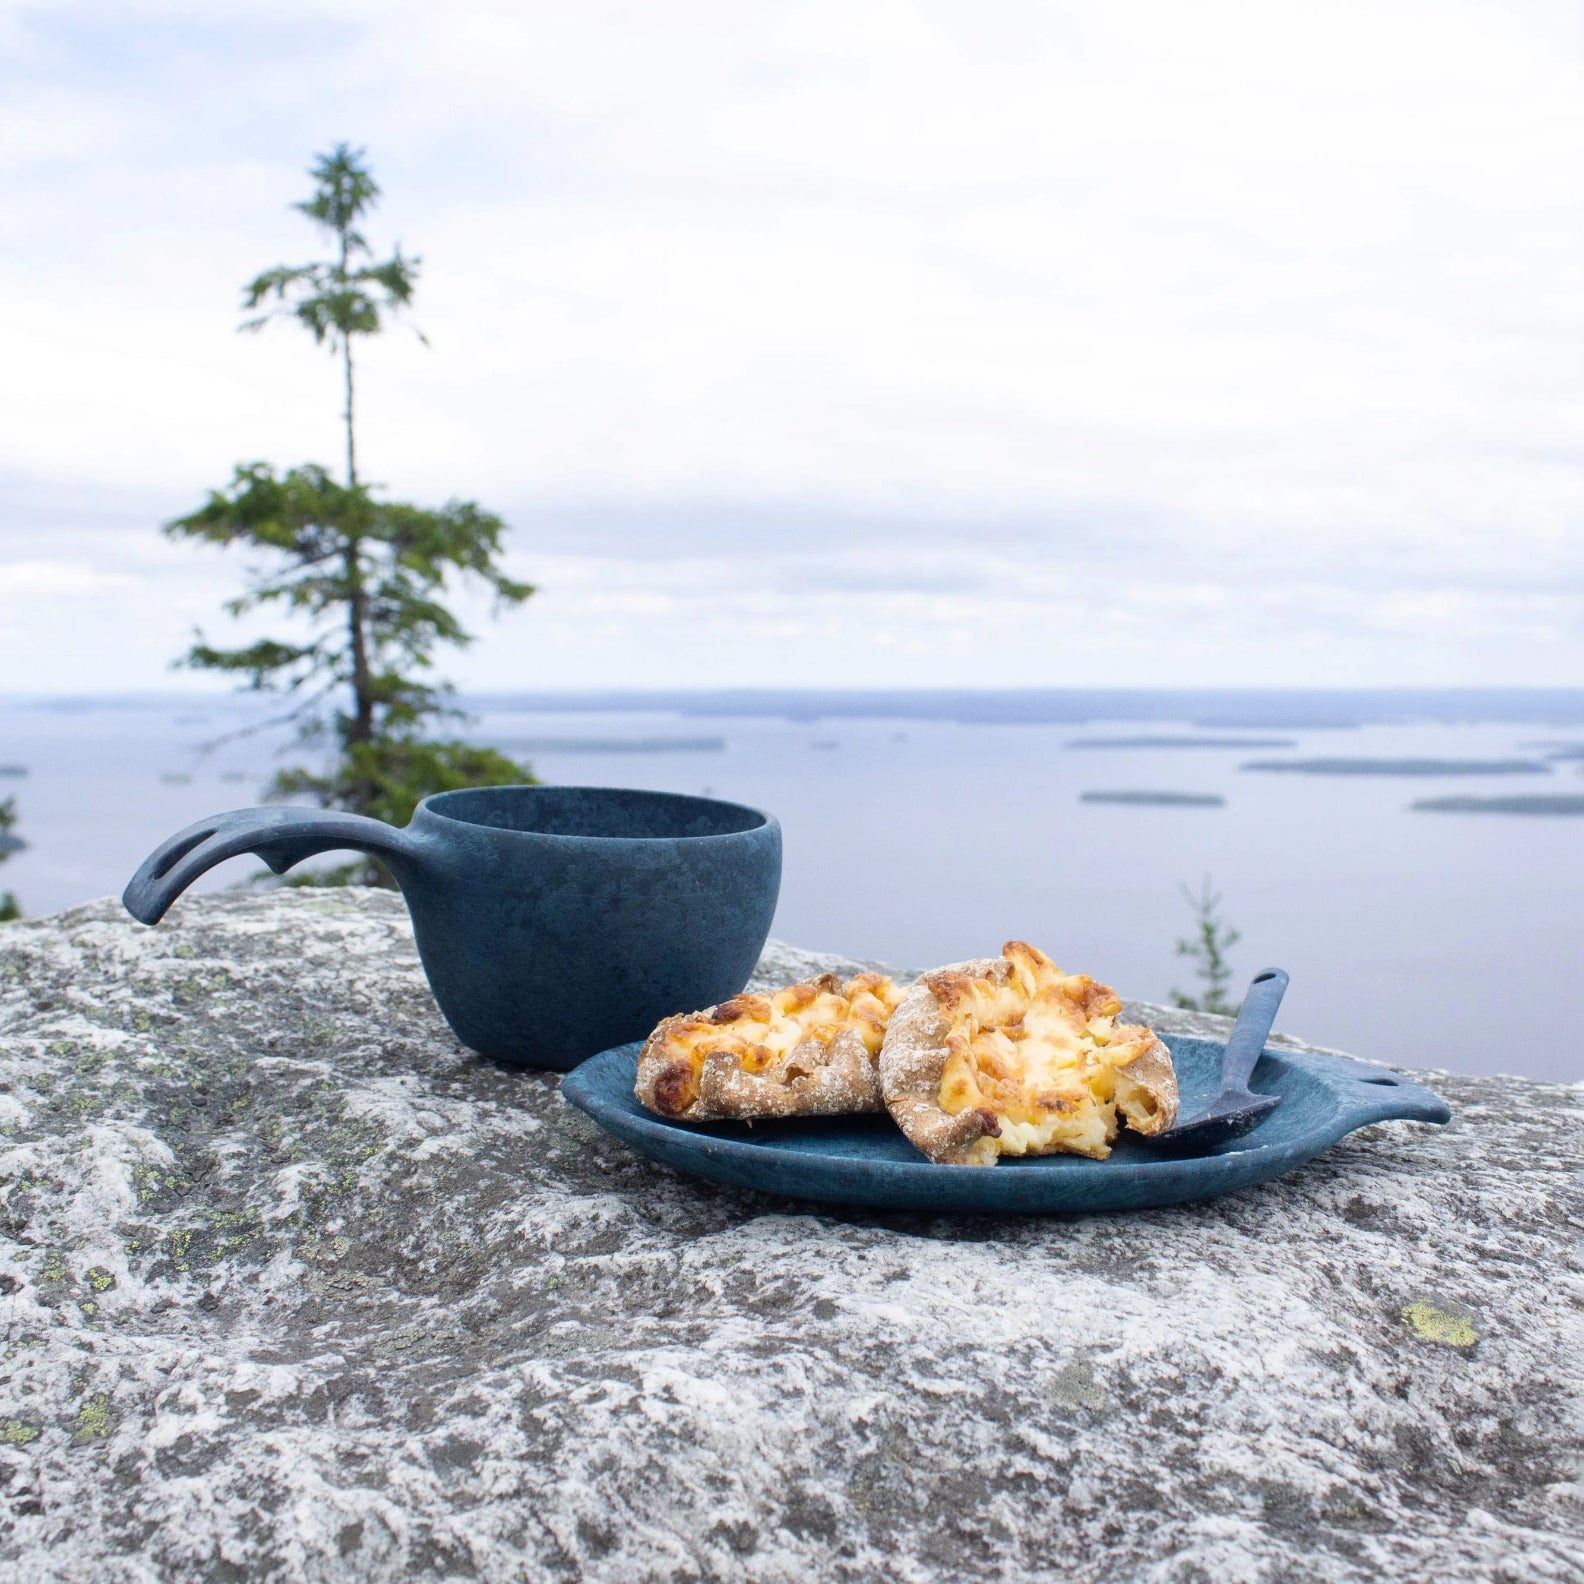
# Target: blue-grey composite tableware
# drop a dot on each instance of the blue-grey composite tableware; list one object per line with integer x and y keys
{"x": 552, "y": 921}
{"x": 1233, "y": 1108}
{"x": 865, "y": 1160}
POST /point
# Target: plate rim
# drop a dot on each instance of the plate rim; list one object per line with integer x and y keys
{"x": 1362, "y": 1092}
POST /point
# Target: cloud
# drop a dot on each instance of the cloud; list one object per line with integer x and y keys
{"x": 59, "y": 581}
{"x": 875, "y": 318}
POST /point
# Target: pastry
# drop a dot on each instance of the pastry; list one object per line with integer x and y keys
{"x": 1010, "y": 1056}
{"x": 808, "y": 1050}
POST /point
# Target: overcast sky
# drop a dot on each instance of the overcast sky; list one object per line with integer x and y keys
{"x": 857, "y": 341}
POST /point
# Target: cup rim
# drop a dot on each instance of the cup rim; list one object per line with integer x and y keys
{"x": 762, "y": 820}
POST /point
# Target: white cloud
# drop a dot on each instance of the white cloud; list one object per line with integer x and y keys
{"x": 1253, "y": 326}
{"x": 59, "y": 580}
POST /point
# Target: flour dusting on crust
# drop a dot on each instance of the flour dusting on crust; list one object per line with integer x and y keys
{"x": 1010, "y": 1056}
{"x": 809, "y": 1050}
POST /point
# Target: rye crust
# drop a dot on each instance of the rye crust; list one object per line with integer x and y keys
{"x": 913, "y": 1062}
{"x": 813, "y": 1079}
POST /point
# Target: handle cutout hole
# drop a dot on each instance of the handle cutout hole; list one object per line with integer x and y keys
{"x": 180, "y": 851}
{"x": 1384, "y": 1083}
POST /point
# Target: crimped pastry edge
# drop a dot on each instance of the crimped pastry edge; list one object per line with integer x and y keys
{"x": 840, "y": 1078}
{"x": 913, "y": 1062}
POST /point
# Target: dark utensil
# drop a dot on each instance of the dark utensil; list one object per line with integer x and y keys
{"x": 1235, "y": 1108}
{"x": 552, "y": 921}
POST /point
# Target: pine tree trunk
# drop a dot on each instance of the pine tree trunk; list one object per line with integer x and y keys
{"x": 360, "y": 729}
{"x": 346, "y": 361}
{"x": 361, "y": 790}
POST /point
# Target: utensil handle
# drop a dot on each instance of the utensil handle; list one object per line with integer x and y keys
{"x": 1253, "y": 1026}
{"x": 280, "y": 836}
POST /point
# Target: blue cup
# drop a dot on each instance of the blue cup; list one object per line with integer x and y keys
{"x": 553, "y": 922}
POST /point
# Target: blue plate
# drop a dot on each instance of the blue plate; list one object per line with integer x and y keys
{"x": 866, "y": 1161}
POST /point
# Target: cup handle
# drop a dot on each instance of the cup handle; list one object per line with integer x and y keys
{"x": 280, "y": 836}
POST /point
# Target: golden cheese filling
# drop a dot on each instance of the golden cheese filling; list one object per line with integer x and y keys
{"x": 764, "y": 1030}
{"x": 1042, "y": 1053}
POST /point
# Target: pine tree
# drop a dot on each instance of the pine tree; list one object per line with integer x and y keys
{"x": 364, "y": 576}
{"x": 10, "y": 908}
{"x": 1208, "y": 946}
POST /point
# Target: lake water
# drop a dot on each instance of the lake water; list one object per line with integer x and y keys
{"x": 923, "y": 829}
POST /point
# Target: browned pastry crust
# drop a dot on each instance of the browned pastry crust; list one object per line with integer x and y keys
{"x": 808, "y": 1050}
{"x": 1010, "y": 1056}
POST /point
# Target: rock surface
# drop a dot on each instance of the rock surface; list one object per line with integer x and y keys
{"x": 293, "y": 1287}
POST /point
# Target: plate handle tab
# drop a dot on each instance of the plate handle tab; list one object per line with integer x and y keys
{"x": 1376, "y": 1094}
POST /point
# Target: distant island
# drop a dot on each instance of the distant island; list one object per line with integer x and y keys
{"x": 1279, "y": 720}
{"x": 1560, "y": 803}
{"x": 1157, "y": 799}
{"x": 1240, "y": 710}
{"x": 1181, "y": 742}
{"x": 1401, "y": 767}
{"x": 10, "y": 844}
{"x": 13, "y": 770}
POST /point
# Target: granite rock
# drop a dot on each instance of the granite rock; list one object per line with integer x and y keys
{"x": 293, "y": 1287}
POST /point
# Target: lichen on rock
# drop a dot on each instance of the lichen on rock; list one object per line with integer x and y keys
{"x": 295, "y": 1288}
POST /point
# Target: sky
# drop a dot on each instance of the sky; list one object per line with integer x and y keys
{"x": 853, "y": 342}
